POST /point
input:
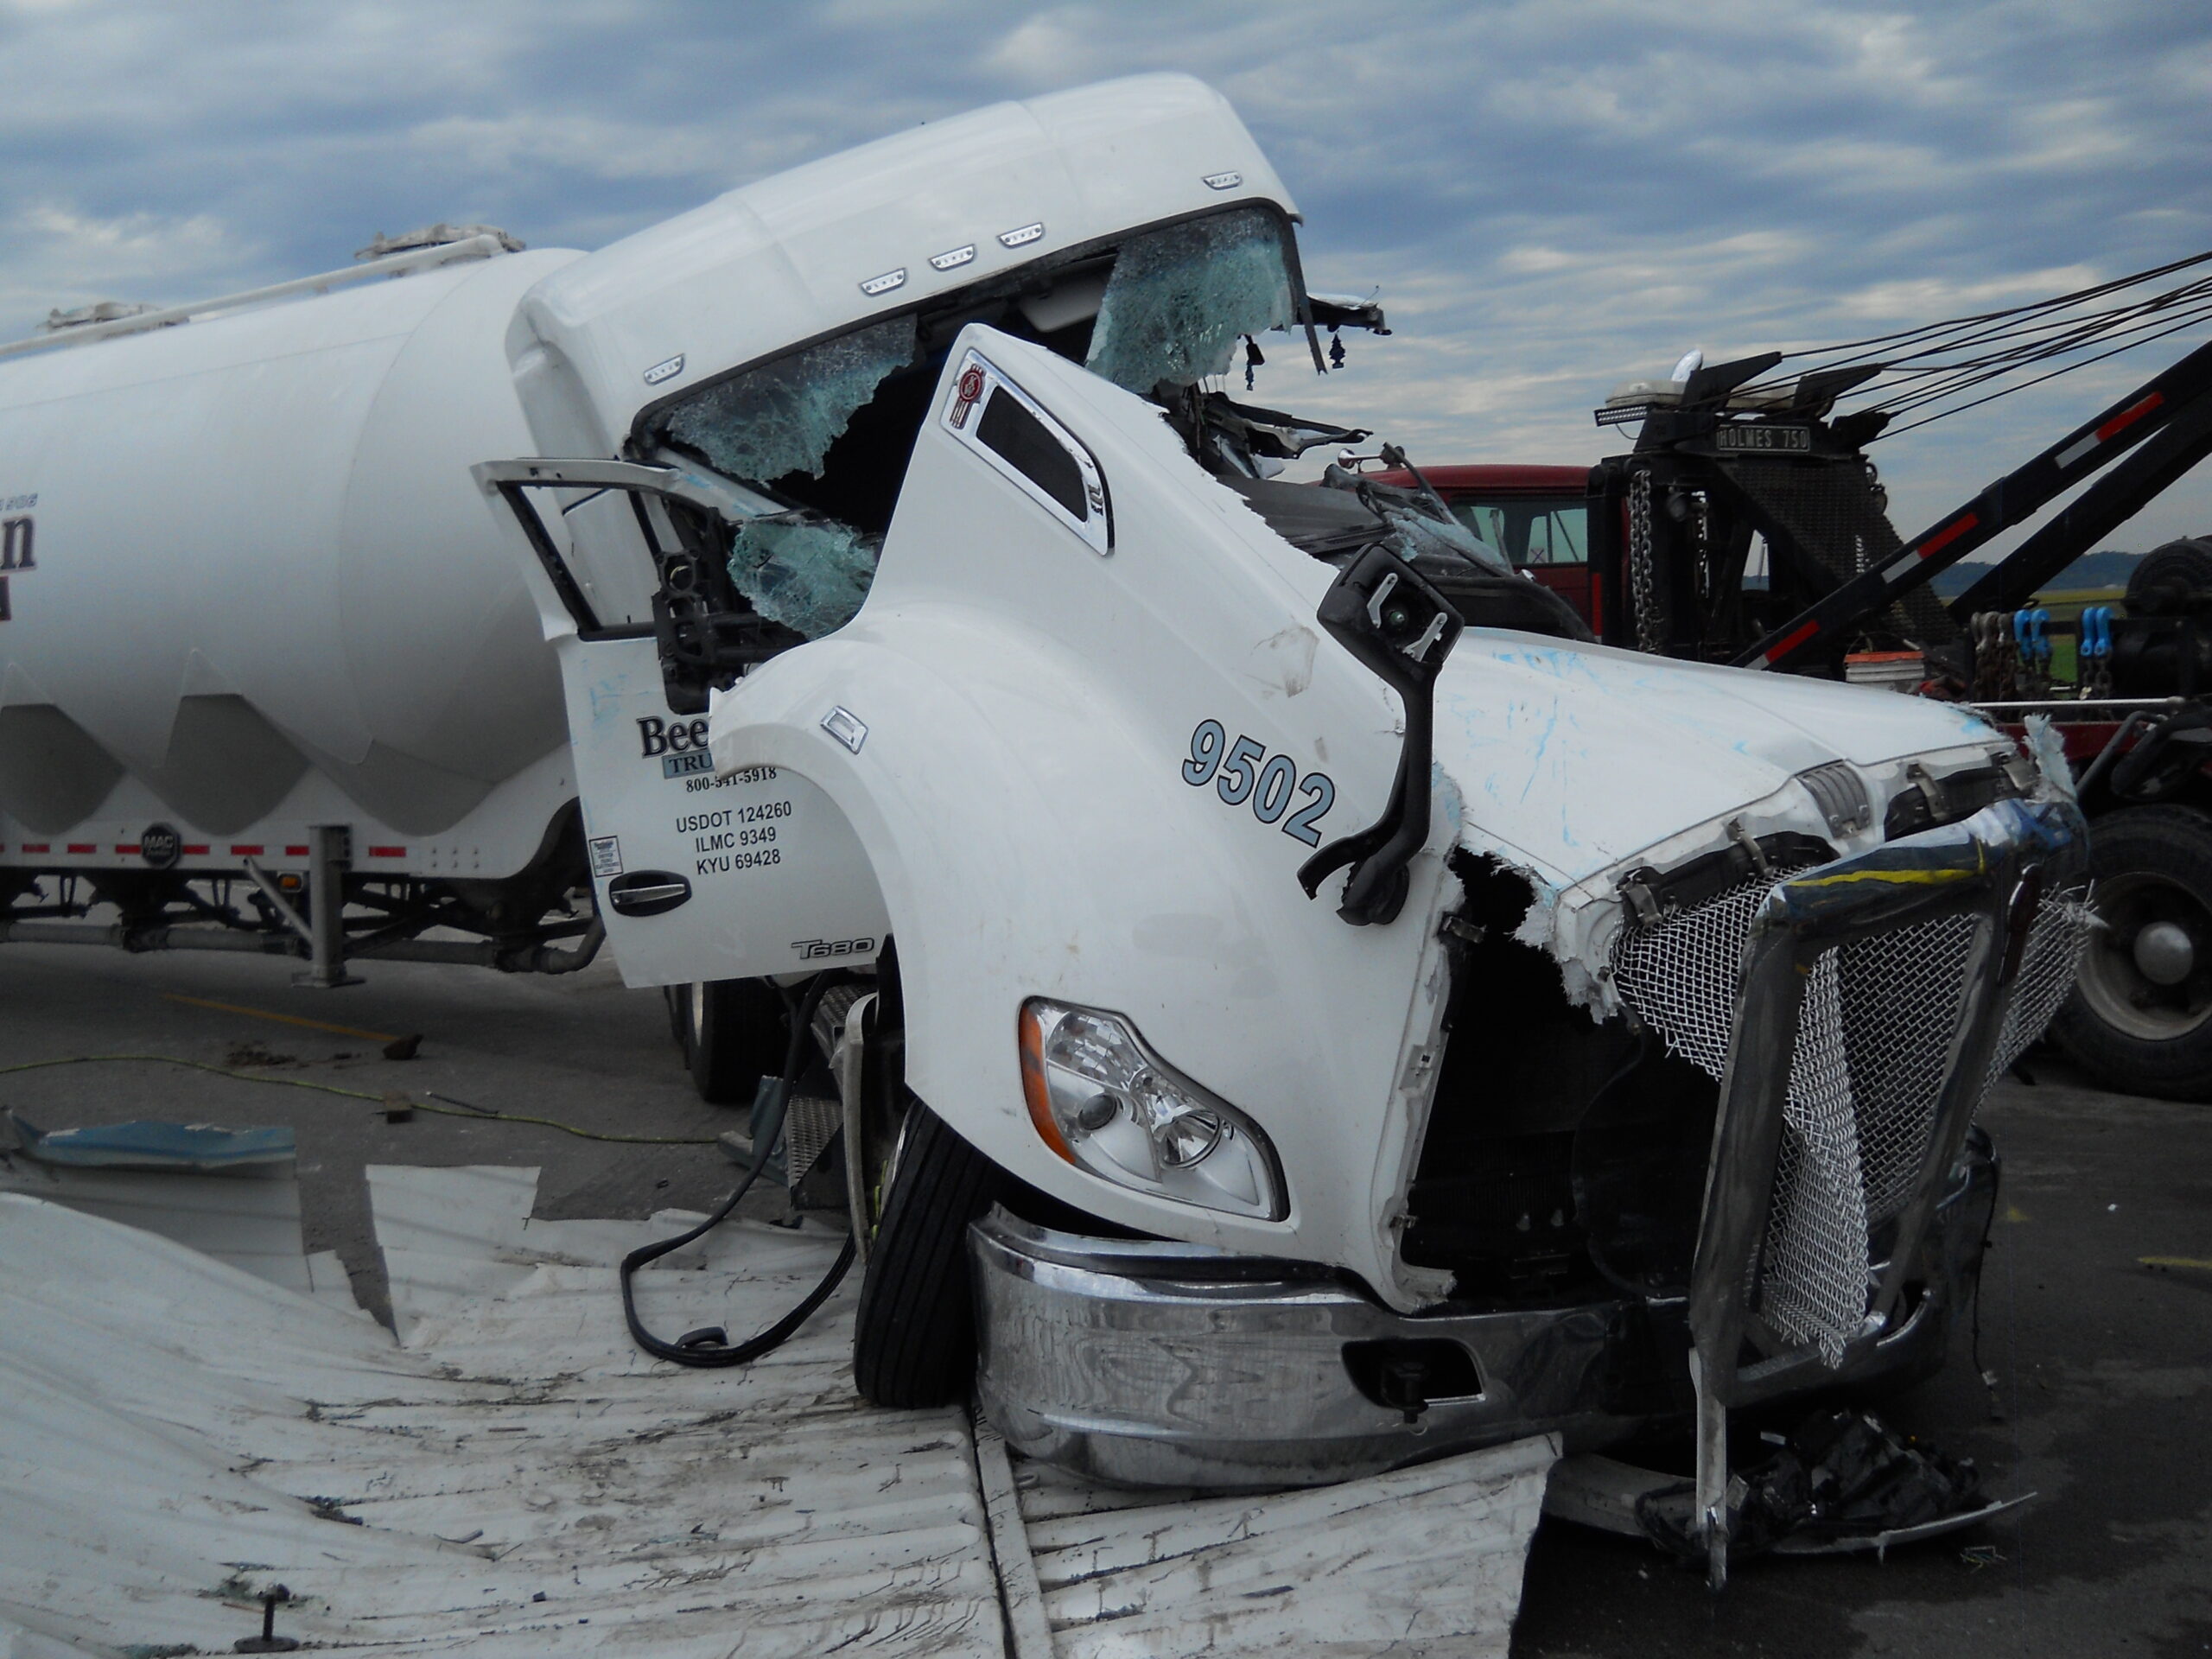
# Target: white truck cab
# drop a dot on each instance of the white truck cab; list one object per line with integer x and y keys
{"x": 1300, "y": 1005}
{"x": 1331, "y": 1007}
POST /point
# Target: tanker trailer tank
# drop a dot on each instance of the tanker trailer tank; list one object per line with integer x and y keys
{"x": 259, "y": 642}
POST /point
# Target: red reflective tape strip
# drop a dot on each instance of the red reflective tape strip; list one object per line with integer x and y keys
{"x": 1950, "y": 532}
{"x": 2119, "y": 423}
{"x": 2127, "y": 417}
{"x": 82, "y": 847}
{"x": 36, "y": 847}
{"x": 195, "y": 852}
{"x": 132, "y": 849}
{"x": 1790, "y": 641}
{"x": 387, "y": 852}
{"x": 295, "y": 852}
{"x": 245, "y": 849}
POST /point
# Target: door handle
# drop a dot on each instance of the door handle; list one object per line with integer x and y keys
{"x": 647, "y": 893}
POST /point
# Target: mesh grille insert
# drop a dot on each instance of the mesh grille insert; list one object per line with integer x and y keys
{"x": 1874, "y": 1038}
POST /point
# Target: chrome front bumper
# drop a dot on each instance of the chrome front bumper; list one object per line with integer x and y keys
{"x": 1162, "y": 1364}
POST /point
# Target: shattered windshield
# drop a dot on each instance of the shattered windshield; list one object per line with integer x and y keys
{"x": 781, "y": 418}
{"x": 1180, "y": 298}
{"x": 828, "y": 431}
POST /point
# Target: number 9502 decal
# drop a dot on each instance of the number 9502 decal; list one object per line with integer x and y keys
{"x": 1248, "y": 773}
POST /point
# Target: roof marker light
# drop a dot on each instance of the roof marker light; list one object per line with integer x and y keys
{"x": 885, "y": 283}
{"x": 1221, "y": 180}
{"x": 953, "y": 259}
{"x": 1023, "y": 236}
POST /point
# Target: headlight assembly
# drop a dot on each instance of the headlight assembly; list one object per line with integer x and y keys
{"x": 1107, "y": 1104}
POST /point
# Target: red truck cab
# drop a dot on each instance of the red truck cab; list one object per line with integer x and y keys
{"x": 1538, "y": 517}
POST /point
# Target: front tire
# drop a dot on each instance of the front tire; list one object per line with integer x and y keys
{"x": 737, "y": 1031}
{"x": 2139, "y": 1017}
{"x": 914, "y": 1341}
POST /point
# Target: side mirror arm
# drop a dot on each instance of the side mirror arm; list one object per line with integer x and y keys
{"x": 1402, "y": 629}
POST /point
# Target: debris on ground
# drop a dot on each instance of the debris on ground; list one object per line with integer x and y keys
{"x": 254, "y": 1052}
{"x": 510, "y": 1477}
{"x": 1844, "y": 1475}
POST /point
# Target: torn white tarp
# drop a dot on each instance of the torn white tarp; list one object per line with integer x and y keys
{"x": 516, "y": 1479}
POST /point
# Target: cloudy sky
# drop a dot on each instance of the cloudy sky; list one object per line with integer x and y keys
{"x": 1551, "y": 196}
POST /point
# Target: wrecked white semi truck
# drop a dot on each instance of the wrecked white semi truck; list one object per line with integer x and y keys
{"x": 1300, "y": 1005}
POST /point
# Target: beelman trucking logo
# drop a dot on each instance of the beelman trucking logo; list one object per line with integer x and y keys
{"x": 16, "y": 537}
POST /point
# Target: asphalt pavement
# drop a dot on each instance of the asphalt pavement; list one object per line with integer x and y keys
{"x": 580, "y": 1050}
{"x": 2103, "y": 1397}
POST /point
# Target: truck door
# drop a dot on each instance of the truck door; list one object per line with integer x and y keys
{"x": 696, "y": 877}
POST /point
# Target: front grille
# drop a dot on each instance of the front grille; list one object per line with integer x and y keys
{"x": 1874, "y": 1035}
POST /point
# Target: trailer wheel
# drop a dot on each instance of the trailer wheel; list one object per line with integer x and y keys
{"x": 2140, "y": 1018}
{"x": 735, "y": 1031}
{"x": 914, "y": 1341}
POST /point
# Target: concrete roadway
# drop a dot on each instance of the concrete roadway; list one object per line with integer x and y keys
{"x": 2104, "y": 1366}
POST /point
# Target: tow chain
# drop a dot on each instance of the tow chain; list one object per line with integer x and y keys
{"x": 1642, "y": 588}
{"x": 1993, "y": 676}
{"x": 1701, "y": 527}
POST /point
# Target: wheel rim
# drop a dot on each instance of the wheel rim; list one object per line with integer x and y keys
{"x": 2141, "y": 912}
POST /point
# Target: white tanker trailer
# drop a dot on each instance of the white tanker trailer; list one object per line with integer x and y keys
{"x": 257, "y": 610}
{"x": 1290, "y": 1001}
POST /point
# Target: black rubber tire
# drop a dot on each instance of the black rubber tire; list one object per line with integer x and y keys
{"x": 914, "y": 1341}
{"x": 2169, "y": 577}
{"x": 2149, "y": 862}
{"x": 679, "y": 998}
{"x": 738, "y": 1031}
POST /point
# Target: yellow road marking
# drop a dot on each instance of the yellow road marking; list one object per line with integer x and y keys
{"x": 2175, "y": 1262}
{"x": 282, "y": 1019}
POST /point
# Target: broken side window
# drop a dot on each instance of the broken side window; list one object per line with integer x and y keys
{"x": 806, "y": 570}
{"x": 1180, "y": 298}
{"x": 807, "y": 573}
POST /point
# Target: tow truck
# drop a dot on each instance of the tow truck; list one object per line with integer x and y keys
{"x": 1652, "y": 548}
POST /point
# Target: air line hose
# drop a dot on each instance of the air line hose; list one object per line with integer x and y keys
{"x": 709, "y": 1345}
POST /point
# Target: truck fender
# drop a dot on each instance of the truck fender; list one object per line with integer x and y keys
{"x": 1008, "y": 871}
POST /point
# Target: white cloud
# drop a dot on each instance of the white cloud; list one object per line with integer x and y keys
{"x": 74, "y": 258}
{"x": 1553, "y": 194}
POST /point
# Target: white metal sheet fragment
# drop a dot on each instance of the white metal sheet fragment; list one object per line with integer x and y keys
{"x": 182, "y": 1434}
{"x": 1427, "y": 1559}
{"x": 250, "y": 1219}
{"x": 186, "y": 1433}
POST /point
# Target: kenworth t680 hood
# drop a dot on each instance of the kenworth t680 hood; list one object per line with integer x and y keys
{"x": 1569, "y": 759}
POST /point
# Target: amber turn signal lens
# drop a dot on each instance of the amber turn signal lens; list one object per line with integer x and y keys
{"x": 1034, "y": 1089}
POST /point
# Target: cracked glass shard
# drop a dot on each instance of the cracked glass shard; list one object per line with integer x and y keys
{"x": 1180, "y": 298}
{"x": 782, "y": 418}
{"x": 807, "y": 573}
{"x": 1419, "y": 534}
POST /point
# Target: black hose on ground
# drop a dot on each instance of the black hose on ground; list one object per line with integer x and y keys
{"x": 710, "y": 1345}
